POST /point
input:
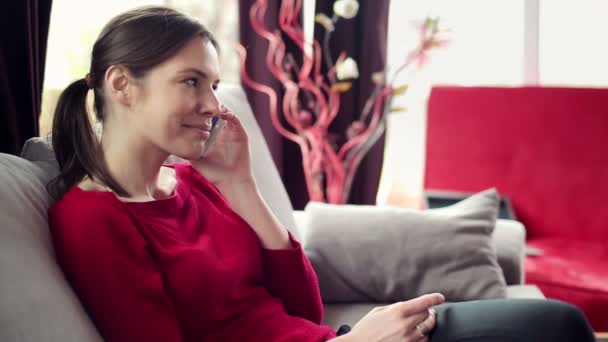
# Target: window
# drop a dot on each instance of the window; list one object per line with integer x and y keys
{"x": 572, "y": 43}
{"x": 493, "y": 42}
{"x": 486, "y": 48}
{"x": 486, "y": 38}
{"x": 75, "y": 25}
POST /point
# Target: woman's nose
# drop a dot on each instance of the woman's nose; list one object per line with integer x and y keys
{"x": 211, "y": 103}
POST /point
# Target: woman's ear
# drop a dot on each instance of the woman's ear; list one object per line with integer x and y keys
{"x": 118, "y": 83}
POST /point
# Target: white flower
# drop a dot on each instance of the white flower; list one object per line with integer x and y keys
{"x": 347, "y": 69}
{"x": 346, "y": 8}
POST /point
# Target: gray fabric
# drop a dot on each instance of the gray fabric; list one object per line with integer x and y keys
{"x": 36, "y": 303}
{"x": 509, "y": 238}
{"x": 524, "y": 291}
{"x": 370, "y": 253}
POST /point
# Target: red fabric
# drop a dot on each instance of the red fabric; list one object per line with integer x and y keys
{"x": 544, "y": 148}
{"x": 185, "y": 268}
{"x": 575, "y": 272}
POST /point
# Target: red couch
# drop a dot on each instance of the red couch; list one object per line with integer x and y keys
{"x": 547, "y": 150}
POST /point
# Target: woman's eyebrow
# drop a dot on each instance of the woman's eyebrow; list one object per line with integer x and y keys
{"x": 198, "y": 72}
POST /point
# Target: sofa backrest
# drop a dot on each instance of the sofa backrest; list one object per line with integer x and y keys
{"x": 36, "y": 303}
{"x": 544, "y": 148}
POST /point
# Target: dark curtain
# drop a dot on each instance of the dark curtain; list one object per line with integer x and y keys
{"x": 286, "y": 154}
{"x": 24, "y": 27}
{"x": 364, "y": 39}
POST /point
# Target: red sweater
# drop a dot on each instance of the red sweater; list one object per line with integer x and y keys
{"x": 184, "y": 268}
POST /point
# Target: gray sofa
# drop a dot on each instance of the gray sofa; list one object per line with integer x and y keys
{"x": 37, "y": 304}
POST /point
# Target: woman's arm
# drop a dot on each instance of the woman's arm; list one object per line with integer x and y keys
{"x": 108, "y": 265}
{"x": 246, "y": 200}
{"x": 287, "y": 271}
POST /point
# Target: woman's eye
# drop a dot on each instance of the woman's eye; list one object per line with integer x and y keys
{"x": 215, "y": 87}
{"x": 193, "y": 82}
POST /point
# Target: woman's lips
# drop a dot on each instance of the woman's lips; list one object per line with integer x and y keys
{"x": 202, "y": 130}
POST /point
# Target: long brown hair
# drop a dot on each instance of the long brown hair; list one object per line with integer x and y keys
{"x": 139, "y": 40}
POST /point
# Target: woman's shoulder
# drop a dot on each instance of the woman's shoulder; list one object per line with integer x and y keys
{"x": 84, "y": 202}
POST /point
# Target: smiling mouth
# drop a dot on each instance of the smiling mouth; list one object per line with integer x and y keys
{"x": 204, "y": 128}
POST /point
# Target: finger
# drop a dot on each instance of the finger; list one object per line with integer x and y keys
{"x": 417, "y": 338}
{"x": 416, "y": 335}
{"x": 422, "y": 328}
{"x": 232, "y": 120}
{"x": 431, "y": 320}
{"x": 228, "y": 116}
{"x": 412, "y": 320}
{"x": 411, "y": 325}
{"x": 420, "y": 304}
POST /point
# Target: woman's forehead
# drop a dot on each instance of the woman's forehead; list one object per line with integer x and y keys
{"x": 199, "y": 56}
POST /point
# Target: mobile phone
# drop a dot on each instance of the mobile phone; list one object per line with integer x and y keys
{"x": 216, "y": 127}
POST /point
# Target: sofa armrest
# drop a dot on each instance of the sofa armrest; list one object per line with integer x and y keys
{"x": 510, "y": 240}
{"x": 299, "y": 217}
{"x": 508, "y": 237}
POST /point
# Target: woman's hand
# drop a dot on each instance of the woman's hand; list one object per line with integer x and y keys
{"x": 228, "y": 166}
{"x": 229, "y": 157}
{"x": 408, "y": 321}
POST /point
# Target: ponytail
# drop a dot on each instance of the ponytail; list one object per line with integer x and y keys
{"x": 76, "y": 145}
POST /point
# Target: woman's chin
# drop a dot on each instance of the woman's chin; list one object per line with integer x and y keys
{"x": 189, "y": 154}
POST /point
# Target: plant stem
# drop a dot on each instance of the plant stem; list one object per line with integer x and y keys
{"x": 326, "y": 38}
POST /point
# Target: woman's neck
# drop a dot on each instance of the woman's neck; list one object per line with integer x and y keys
{"x": 135, "y": 165}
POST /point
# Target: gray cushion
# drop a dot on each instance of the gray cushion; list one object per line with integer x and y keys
{"x": 510, "y": 240}
{"x": 385, "y": 254}
{"x": 36, "y": 303}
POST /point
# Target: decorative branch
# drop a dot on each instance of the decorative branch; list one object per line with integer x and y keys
{"x": 328, "y": 169}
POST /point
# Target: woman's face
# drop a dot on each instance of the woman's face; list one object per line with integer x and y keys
{"x": 176, "y": 100}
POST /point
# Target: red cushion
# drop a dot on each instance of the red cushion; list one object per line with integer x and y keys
{"x": 576, "y": 272}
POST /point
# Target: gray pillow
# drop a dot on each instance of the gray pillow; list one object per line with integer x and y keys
{"x": 371, "y": 253}
{"x": 36, "y": 303}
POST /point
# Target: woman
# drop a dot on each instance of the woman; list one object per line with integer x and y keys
{"x": 189, "y": 252}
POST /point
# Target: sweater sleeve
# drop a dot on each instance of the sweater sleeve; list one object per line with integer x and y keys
{"x": 107, "y": 262}
{"x": 290, "y": 277}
